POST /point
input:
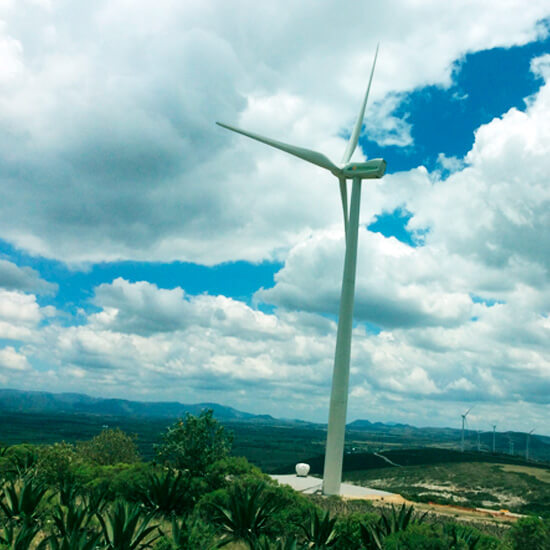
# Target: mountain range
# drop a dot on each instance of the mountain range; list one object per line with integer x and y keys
{"x": 44, "y": 402}
{"x": 21, "y": 401}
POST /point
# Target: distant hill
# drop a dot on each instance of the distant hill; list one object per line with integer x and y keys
{"x": 379, "y": 434}
{"x": 44, "y": 402}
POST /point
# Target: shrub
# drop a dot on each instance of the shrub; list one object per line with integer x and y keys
{"x": 111, "y": 446}
{"x": 529, "y": 532}
{"x": 417, "y": 537}
{"x": 54, "y": 462}
{"x": 194, "y": 443}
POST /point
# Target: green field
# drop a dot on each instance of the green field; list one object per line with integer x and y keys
{"x": 520, "y": 489}
{"x": 474, "y": 479}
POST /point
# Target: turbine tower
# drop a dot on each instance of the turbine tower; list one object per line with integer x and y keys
{"x": 357, "y": 172}
{"x": 494, "y": 435}
{"x": 463, "y": 422}
{"x": 527, "y": 444}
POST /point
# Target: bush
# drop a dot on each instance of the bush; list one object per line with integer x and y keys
{"x": 417, "y": 537}
{"x": 530, "y": 532}
{"x": 122, "y": 480}
{"x": 194, "y": 443}
{"x": 348, "y": 529}
{"x": 111, "y": 446}
{"x": 55, "y": 462}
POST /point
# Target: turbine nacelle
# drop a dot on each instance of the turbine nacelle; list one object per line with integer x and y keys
{"x": 371, "y": 169}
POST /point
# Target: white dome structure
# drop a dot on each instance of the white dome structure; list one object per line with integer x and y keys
{"x": 302, "y": 469}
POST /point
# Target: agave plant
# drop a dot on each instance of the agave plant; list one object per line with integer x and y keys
{"x": 180, "y": 532}
{"x": 18, "y": 538}
{"x": 19, "y": 500}
{"x": 166, "y": 492}
{"x": 95, "y": 501}
{"x": 69, "y": 489}
{"x": 125, "y": 527}
{"x": 390, "y": 522}
{"x": 24, "y": 464}
{"x": 246, "y": 516}
{"x": 462, "y": 537}
{"x": 320, "y": 532}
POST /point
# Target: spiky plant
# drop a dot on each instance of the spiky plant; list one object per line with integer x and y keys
{"x": 125, "y": 527}
{"x": 95, "y": 501}
{"x": 18, "y": 538}
{"x": 391, "y": 521}
{"x": 23, "y": 465}
{"x": 19, "y": 500}
{"x": 166, "y": 492}
{"x": 246, "y": 516}
{"x": 69, "y": 489}
{"x": 462, "y": 537}
{"x": 320, "y": 532}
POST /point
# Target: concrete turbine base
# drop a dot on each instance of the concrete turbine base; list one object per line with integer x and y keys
{"x": 313, "y": 485}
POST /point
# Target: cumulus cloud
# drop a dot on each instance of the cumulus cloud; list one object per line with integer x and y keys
{"x": 151, "y": 343}
{"x": 20, "y": 314}
{"x": 109, "y": 150}
{"x": 26, "y": 279}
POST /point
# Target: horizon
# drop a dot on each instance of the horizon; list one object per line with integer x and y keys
{"x": 259, "y": 414}
{"x": 149, "y": 254}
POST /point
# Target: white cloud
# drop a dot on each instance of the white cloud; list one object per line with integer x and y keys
{"x": 10, "y": 359}
{"x": 109, "y": 149}
{"x": 26, "y": 279}
{"x": 223, "y": 350}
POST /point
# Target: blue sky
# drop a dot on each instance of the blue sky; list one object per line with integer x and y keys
{"x": 147, "y": 253}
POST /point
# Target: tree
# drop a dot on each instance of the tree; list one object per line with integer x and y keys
{"x": 530, "y": 532}
{"x": 195, "y": 443}
{"x": 111, "y": 446}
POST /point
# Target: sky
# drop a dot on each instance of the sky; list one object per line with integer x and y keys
{"x": 148, "y": 254}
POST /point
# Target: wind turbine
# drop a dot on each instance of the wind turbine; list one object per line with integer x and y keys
{"x": 357, "y": 172}
{"x": 494, "y": 437}
{"x": 527, "y": 444}
{"x": 463, "y": 422}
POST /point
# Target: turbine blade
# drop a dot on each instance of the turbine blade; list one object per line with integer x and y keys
{"x": 354, "y": 138}
{"x": 305, "y": 154}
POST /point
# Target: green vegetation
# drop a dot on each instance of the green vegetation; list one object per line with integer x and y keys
{"x": 470, "y": 484}
{"x": 100, "y": 494}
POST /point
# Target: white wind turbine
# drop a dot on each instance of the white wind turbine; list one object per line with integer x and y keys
{"x": 463, "y": 422}
{"x": 356, "y": 171}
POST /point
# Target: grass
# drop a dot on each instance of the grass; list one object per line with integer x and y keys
{"x": 539, "y": 473}
{"x": 470, "y": 484}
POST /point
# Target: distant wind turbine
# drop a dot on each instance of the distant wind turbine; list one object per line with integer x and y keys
{"x": 357, "y": 172}
{"x": 527, "y": 444}
{"x": 463, "y": 422}
{"x": 494, "y": 436}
